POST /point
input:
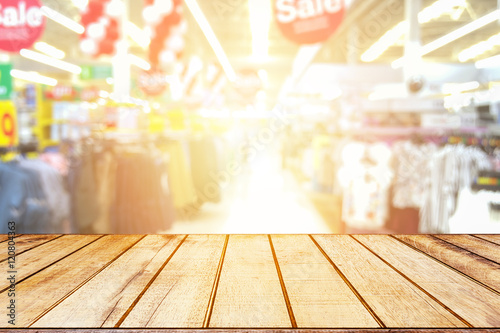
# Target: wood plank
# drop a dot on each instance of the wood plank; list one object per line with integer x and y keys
{"x": 396, "y": 302}
{"x": 249, "y": 292}
{"x": 44, "y": 290}
{"x": 491, "y": 238}
{"x": 4, "y": 237}
{"x": 477, "y": 305}
{"x": 250, "y": 330}
{"x": 26, "y": 242}
{"x": 462, "y": 260}
{"x": 475, "y": 245}
{"x": 32, "y": 261}
{"x": 318, "y": 295}
{"x": 180, "y": 295}
{"x": 113, "y": 290}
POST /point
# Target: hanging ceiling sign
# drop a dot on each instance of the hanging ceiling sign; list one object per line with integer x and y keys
{"x": 152, "y": 83}
{"x": 21, "y": 24}
{"x": 309, "y": 21}
{"x": 248, "y": 83}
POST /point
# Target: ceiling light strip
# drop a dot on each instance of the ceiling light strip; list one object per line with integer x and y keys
{"x": 392, "y": 36}
{"x": 139, "y": 62}
{"x": 454, "y": 35}
{"x": 49, "y": 50}
{"x": 63, "y": 20}
{"x": 212, "y": 39}
{"x": 33, "y": 77}
{"x": 489, "y": 62}
{"x": 42, "y": 58}
{"x": 138, "y": 35}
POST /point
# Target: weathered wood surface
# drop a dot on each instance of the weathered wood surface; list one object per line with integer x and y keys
{"x": 475, "y": 245}
{"x": 474, "y": 304}
{"x": 40, "y": 293}
{"x": 396, "y": 302}
{"x": 26, "y": 242}
{"x": 179, "y": 296}
{"x": 249, "y": 292}
{"x": 271, "y": 283}
{"x": 491, "y": 238}
{"x": 471, "y": 264}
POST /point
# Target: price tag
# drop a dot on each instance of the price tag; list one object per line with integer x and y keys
{"x": 8, "y": 125}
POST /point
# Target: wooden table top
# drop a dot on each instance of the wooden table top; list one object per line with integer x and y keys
{"x": 254, "y": 281}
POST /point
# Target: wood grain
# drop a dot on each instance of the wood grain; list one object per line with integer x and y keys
{"x": 318, "y": 294}
{"x": 113, "y": 290}
{"x": 26, "y": 242}
{"x": 470, "y": 264}
{"x": 39, "y": 293}
{"x": 32, "y": 261}
{"x": 180, "y": 294}
{"x": 477, "y": 305}
{"x": 478, "y": 246}
{"x": 491, "y": 238}
{"x": 396, "y": 302}
{"x": 3, "y": 237}
{"x": 249, "y": 292}
{"x": 250, "y": 330}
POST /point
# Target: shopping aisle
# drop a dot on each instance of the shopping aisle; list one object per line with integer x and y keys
{"x": 263, "y": 199}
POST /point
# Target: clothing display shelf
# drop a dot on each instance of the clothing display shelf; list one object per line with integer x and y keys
{"x": 367, "y": 283}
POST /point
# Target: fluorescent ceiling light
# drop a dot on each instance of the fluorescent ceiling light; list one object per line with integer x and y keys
{"x": 33, "y": 77}
{"x": 138, "y": 35}
{"x": 489, "y": 62}
{"x": 212, "y": 39}
{"x": 392, "y": 36}
{"x": 454, "y": 35}
{"x": 49, "y": 50}
{"x": 63, "y": 20}
{"x": 139, "y": 62}
{"x": 479, "y": 48}
{"x": 42, "y": 58}
{"x": 456, "y": 88}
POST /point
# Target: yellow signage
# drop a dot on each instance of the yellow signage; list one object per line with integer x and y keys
{"x": 8, "y": 125}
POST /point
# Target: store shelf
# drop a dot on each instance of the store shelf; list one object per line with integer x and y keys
{"x": 366, "y": 282}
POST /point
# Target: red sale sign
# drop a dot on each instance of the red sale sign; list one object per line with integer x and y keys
{"x": 8, "y": 124}
{"x": 21, "y": 24}
{"x": 309, "y": 21}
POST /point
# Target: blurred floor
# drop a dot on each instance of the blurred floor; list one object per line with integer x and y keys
{"x": 263, "y": 199}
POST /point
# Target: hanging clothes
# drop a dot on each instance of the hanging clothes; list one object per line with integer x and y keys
{"x": 366, "y": 177}
{"x": 142, "y": 200}
{"x": 477, "y": 212}
{"x": 179, "y": 171}
{"x": 412, "y": 163}
{"x": 452, "y": 169}
{"x": 33, "y": 195}
{"x": 83, "y": 189}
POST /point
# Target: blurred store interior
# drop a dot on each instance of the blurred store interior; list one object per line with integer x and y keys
{"x": 250, "y": 116}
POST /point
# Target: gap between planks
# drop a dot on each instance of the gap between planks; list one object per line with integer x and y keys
{"x": 86, "y": 280}
{"x": 213, "y": 293}
{"x": 122, "y": 319}
{"x": 52, "y": 263}
{"x": 283, "y": 287}
{"x": 45, "y": 241}
{"x": 349, "y": 284}
{"x": 415, "y": 284}
{"x": 447, "y": 265}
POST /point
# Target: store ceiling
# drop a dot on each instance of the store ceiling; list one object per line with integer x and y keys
{"x": 367, "y": 20}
